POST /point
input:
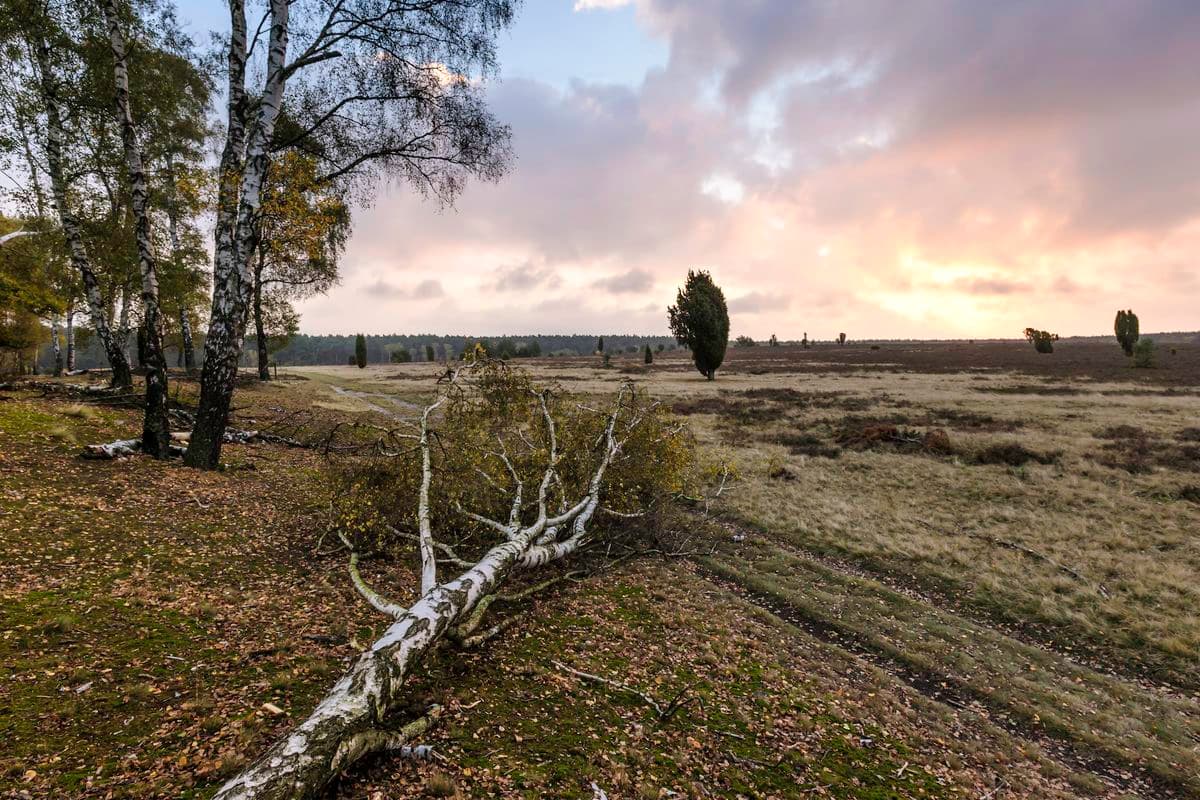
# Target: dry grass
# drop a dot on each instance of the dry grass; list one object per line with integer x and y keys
{"x": 1025, "y": 468}
{"x": 1054, "y": 524}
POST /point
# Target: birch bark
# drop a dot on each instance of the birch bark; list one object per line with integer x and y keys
{"x": 156, "y": 430}
{"x": 352, "y": 719}
{"x": 72, "y": 230}
{"x": 71, "y": 337}
{"x": 56, "y": 347}
{"x": 239, "y": 199}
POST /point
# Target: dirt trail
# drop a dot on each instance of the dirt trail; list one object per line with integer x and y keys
{"x": 859, "y": 622}
{"x": 412, "y": 409}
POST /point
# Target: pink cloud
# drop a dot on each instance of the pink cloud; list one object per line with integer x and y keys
{"x": 955, "y": 170}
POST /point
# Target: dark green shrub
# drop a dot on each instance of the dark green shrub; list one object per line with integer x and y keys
{"x": 1143, "y": 353}
{"x": 1043, "y": 341}
{"x": 1126, "y": 328}
{"x": 360, "y": 350}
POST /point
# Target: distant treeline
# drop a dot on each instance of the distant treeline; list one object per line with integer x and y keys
{"x": 306, "y": 349}
{"x": 303, "y": 349}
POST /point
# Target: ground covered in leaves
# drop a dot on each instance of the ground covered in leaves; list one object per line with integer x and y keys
{"x": 159, "y": 626}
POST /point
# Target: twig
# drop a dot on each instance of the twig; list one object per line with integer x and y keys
{"x": 624, "y": 687}
{"x": 665, "y": 713}
{"x": 1020, "y": 548}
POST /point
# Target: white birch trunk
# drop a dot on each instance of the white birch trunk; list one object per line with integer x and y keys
{"x": 233, "y": 282}
{"x": 72, "y": 230}
{"x": 71, "y": 337}
{"x": 187, "y": 351}
{"x": 123, "y": 320}
{"x": 185, "y": 332}
{"x": 156, "y": 431}
{"x": 56, "y": 347}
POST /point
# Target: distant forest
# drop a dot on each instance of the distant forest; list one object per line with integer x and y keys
{"x": 303, "y": 349}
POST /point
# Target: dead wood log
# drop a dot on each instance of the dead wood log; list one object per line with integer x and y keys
{"x": 352, "y": 720}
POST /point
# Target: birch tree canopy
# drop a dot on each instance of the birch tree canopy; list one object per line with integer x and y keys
{"x": 367, "y": 88}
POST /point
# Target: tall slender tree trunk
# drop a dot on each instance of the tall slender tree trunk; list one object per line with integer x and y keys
{"x": 71, "y": 337}
{"x": 187, "y": 352}
{"x": 123, "y": 320}
{"x": 156, "y": 430}
{"x": 121, "y": 374}
{"x": 264, "y": 358}
{"x": 141, "y": 348}
{"x": 56, "y": 347}
{"x": 238, "y": 202}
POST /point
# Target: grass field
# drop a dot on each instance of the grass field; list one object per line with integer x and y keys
{"x": 940, "y": 571}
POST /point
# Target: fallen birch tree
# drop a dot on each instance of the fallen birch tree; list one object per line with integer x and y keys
{"x": 495, "y": 464}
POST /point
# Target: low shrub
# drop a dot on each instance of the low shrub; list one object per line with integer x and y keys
{"x": 1188, "y": 435}
{"x": 1143, "y": 353}
{"x": 1012, "y": 454}
{"x": 805, "y": 444}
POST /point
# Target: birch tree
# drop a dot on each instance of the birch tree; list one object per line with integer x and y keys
{"x": 385, "y": 87}
{"x": 60, "y": 66}
{"x": 525, "y": 473}
{"x": 156, "y": 430}
{"x": 49, "y": 48}
{"x": 29, "y": 288}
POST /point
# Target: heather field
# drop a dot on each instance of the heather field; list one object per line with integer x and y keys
{"x": 919, "y": 580}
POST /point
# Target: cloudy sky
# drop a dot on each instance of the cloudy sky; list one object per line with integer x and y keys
{"x": 920, "y": 169}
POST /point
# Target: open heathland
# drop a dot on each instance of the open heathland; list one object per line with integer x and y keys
{"x": 936, "y": 570}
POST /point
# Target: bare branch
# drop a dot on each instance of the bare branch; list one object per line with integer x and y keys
{"x": 377, "y": 601}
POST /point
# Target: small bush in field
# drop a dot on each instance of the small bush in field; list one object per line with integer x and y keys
{"x": 1012, "y": 454}
{"x": 1043, "y": 341}
{"x": 1143, "y": 353}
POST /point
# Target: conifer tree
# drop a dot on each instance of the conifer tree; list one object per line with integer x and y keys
{"x": 360, "y": 350}
{"x": 1126, "y": 328}
{"x": 700, "y": 320}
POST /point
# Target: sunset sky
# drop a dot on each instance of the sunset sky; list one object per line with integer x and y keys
{"x": 917, "y": 169}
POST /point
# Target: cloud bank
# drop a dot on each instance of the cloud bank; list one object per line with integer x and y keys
{"x": 961, "y": 169}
